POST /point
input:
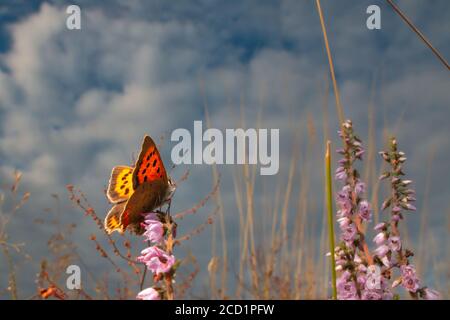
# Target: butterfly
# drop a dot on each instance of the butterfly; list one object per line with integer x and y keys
{"x": 139, "y": 190}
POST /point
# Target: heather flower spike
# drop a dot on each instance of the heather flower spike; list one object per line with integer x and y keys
{"x": 365, "y": 275}
{"x": 157, "y": 257}
{"x": 353, "y": 210}
{"x": 392, "y": 254}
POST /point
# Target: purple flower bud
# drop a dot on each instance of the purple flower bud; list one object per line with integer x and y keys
{"x": 340, "y": 173}
{"x": 406, "y": 182}
{"x": 387, "y": 295}
{"x": 395, "y": 243}
{"x": 362, "y": 268}
{"x": 386, "y": 262}
{"x": 379, "y": 238}
{"x": 371, "y": 295}
{"x": 381, "y": 251}
{"x": 347, "y": 124}
{"x": 360, "y": 188}
{"x": 380, "y": 226}
{"x": 346, "y": 289}
{"x": 408, "y": 270}
{"x": 154, "y": 231}
{"x": 357, "y": 259}
{"x": 148, "y": 294}
{"x": 364, "y": 211}
{"x": 411, "y": 284}
{"x": 349, "y": 233}
{"x": 344, "y": 222}
{"x": 430, "y": 294}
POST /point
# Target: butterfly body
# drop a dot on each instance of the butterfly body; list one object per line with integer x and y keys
{"x": 139, "y": 190}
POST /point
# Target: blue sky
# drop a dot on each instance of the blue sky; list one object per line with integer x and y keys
{"x": 75, "y": 103}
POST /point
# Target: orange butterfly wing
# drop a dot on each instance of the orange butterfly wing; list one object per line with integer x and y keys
{"x": 149, "y": 166}
{"x": 150, "y": 182}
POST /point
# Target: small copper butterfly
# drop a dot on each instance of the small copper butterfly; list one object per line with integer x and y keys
{"x": 138, "y": 190}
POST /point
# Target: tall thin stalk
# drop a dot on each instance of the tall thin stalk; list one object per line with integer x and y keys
{"x": 340, "y": 110}
{"x": 419, "y": 34}
{"x": 329, "y": 192}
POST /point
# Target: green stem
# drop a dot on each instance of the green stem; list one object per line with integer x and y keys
{"x": 330, "y": 217}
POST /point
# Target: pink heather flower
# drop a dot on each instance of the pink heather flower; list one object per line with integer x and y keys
{"x": 372, "y": 282}
{"x": 343, "y": 196}
{"x": 430, "y": 294}
{"x": 361, "y": 279}
{"x": 395, "y": 243}
{"x": 341, "y": 174}
{"x": 371, "y": 295}
{"x": 344, "y": 276}
{"x": 345, "y": 211}
{"x": 349, "y": 233}
{"x": 156, "y": 260}
{"x": 347, "y": 290}
{"x": 364, "y": 210}
{"x": 361, "y": 267}
{"x": 411, "y": 283}
{"x": 372, "y": 271}
{"x": 409, "y": 279}
{"x": 344, "y": 222}
{"x": 148, "y": 294}
{"x": 396, "y": 209}
{"x": 408, "y": 270}
{"x": 388, "y": 295}
{"x": 380, "y": 226}
{"x": 381, "y": 251}
{"x": 360, "y": 188}
{"x": 154, "y": 231}
{"x": 151, "y": 216}
{"x": 385, "y": 260}
{"x": 379, "y": 238}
